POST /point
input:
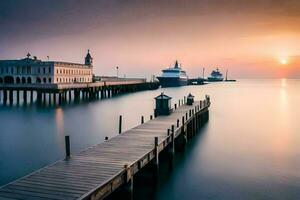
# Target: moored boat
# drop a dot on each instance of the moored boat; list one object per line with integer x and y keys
{"x": 173, "y": 76}
{"x": 215, "y": 76}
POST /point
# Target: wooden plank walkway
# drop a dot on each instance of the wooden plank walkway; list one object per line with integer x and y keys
{"x": 99, "y": 170}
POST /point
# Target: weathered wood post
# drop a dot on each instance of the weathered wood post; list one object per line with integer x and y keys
{"x": 120, "y": 124}
{"x": 151, "y": 117}
{"x": 175, "y": 105}
{"x": 178, "y": 102}
{"x": 184, "y": 133}
{"x": 128, "y": 187}
{"x": 186, "y": 115}
{"x": 172, "y": 148}
{"x": 142, "y": 119}
{"x": 67, "y": 146}
{"x": 177, "y": 124}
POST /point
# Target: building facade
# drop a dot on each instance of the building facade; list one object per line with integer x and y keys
{"x": 33, "y": 71}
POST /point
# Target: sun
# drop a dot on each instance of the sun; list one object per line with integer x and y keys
{"x": 283, "y": 61}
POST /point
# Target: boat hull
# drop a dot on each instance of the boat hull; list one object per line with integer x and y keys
{"x": 172, "y": 82}
{"x": 211, "y": 79}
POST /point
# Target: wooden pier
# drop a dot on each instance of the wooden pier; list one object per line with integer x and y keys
{"x": 98, "y": 171}
{"x": 58, "y": 94}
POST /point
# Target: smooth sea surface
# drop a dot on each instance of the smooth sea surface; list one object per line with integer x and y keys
{"x": 249, "y": 149}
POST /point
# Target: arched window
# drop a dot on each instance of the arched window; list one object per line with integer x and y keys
{"x": 23, "y": 80}
{"x": 38, "y": 80}
{"x": 8, "y": 79}
{"x": 1, "y": 80}
{"x": 44, "y": 80}
{"x": 29, "y": 80}
{"x": 18, "y": 80}
{"x": 49, "y": 80}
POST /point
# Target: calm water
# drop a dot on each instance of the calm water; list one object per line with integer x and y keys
{"x": 250, "y": 148}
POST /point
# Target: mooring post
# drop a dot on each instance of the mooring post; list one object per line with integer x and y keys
{"x": 186, "y": 115}
{"x": 177, "y": 123}
{"x": 120, "y": 124}
{"x": 142, "y": 119}
{"x": 175, "y": 105}
{"x": 178, "y": 102}
{"x": 67, "y": 146}
{"x": 151, "y": 117}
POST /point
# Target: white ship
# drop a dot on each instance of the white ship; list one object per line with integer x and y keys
{"x": 173, "y": 76}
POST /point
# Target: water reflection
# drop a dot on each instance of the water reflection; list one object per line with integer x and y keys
{"x": 248, "y": 150}
{"x": 60, "y": 130}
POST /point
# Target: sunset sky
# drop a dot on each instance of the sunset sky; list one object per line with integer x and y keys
{"x": 253, "y": 39}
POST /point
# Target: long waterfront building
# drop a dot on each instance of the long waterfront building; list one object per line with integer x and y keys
{"x": 34, "y": 71}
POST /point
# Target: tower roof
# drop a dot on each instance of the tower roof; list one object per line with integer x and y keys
{"x": 88, "y": 55}
{"x": 162, "y": 96}
{"x": 176, "y": 64}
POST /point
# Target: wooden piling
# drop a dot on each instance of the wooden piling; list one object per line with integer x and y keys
{"x": 25, "y": 97}
{"x": 67, "y": 146}
{"x": 120, "y": 124}
{"x": 172, "y": 149}
{"x": 11, "y": 97}
{"x": 142, "y": 119}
